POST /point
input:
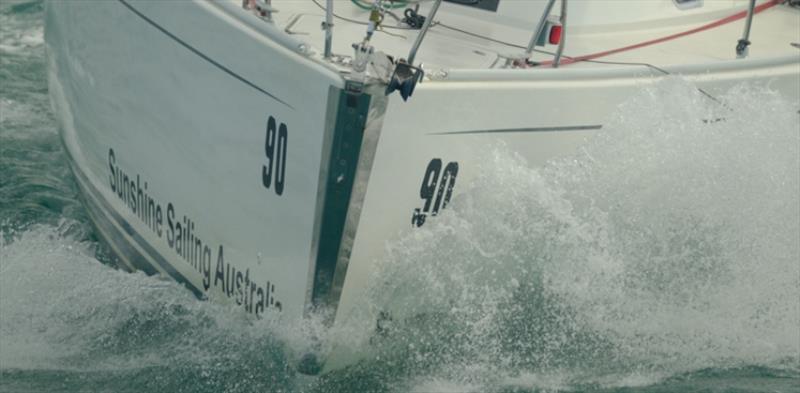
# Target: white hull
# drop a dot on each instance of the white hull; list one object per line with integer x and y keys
{"x": 192, "y": 137}
{"x": 191, "y": 102}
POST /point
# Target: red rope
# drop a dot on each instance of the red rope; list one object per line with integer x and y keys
{"x": 723, "y": 21}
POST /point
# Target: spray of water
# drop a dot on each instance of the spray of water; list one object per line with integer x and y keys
{"x": 669, "y": 243}
{"x": 70, "y": 320}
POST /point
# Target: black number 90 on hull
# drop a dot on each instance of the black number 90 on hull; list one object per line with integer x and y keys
{"x": 436, "y": 190}
{"x": 275, "y": 151}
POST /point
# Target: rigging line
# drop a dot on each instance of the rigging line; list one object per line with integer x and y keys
{"x": 714, "y": 24}
{"x": 654, "y": 67}
{"x": 435, "y": 23}
{"x": 501, "y": 42}
{"x": 358, "y": 22}
{"x": 512, "y": 45}
{"x": 661, "y": 70}
{"x": 476, "y": 35}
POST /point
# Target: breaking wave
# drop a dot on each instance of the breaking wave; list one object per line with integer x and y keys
{"x": 71, "y": 320}
{"x": 669, "y": 244}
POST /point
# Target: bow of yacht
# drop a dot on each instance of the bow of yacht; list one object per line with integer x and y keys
{"x": 262, "y": 152}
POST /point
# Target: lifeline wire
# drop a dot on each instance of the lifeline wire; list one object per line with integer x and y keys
{"x": 512, "y": 45}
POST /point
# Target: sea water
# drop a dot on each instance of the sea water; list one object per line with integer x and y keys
{"x": 663, "y": 257}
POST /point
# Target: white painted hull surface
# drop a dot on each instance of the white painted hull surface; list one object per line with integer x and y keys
{"x": 191, "y": 136}
{"x": 211, "y": 148}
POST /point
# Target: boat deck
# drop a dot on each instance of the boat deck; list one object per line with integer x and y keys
{"x": 464, "y": 38}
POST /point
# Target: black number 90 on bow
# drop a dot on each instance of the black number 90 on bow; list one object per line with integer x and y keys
{"x": 436, "y": 190}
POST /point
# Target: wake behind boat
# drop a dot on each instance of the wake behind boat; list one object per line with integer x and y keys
{"x": 264, "y": 162}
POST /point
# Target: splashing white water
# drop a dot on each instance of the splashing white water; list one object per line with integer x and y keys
{"x": 17, "y": 34}
{"x": 51, "y": 290}
{"x": 671, "y": 243}
{"x": 61, "y": 309}
{"x": 668, "y": 245}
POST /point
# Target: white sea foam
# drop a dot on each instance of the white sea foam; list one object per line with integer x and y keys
{"x": 63, "y": 309}
{"x": 671, "y": 243}
{"x": 12, "y": 111}
{"x": 51, "y": 288}
{"x": 19, "y": 36}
